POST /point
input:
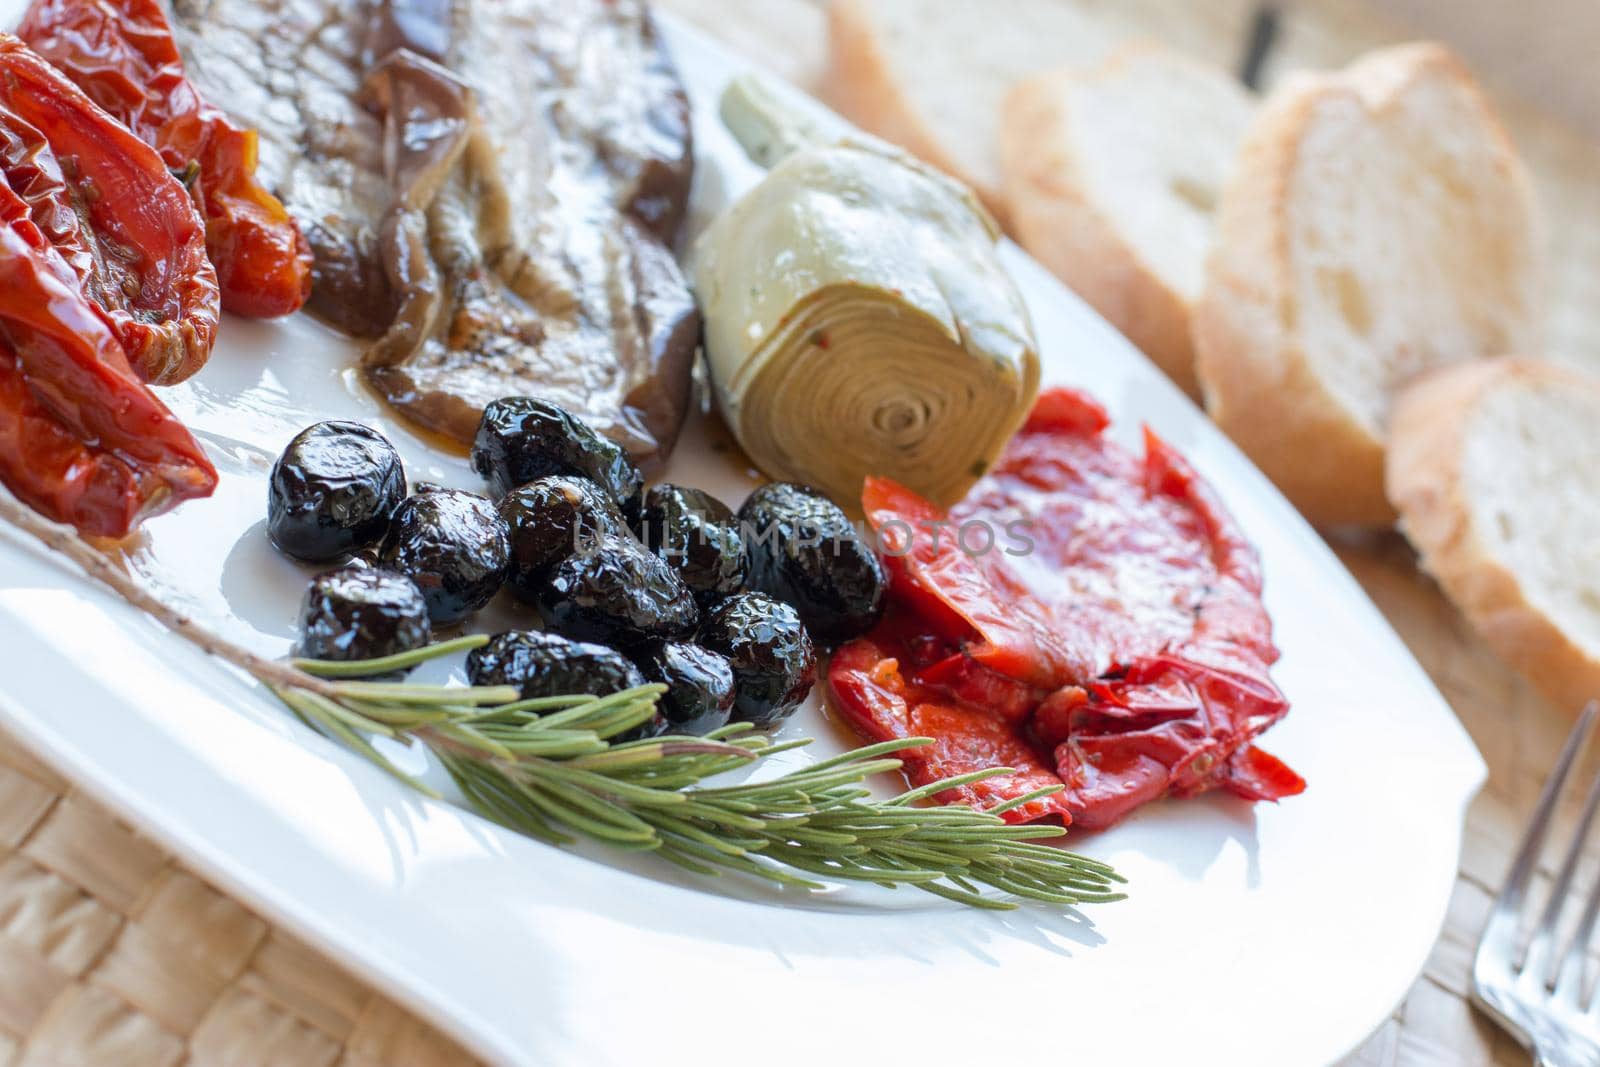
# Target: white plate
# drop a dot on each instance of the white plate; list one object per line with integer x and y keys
{"x": 1272, "y": 935}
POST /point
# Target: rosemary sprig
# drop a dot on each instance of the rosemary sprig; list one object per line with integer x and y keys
{"x": 550, "y": 768}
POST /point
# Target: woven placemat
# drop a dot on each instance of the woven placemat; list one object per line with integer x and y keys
{"x": 113, "y": 955}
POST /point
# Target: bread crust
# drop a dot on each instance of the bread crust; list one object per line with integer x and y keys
{"x": 860, "y": 85}
{"x": 1258, "y": 382}
{"x": 1069, "y": 234}
{"x": 1431, "y": 425}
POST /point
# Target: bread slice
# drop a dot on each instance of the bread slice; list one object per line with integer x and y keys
{"x": 1377, "y": 223}
{"x": 1112, "y": 173}
{"x": 930, "y": 75}
{"x": 1492, "y": 466}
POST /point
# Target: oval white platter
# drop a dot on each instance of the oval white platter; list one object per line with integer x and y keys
{"x": 1271, "y": 935}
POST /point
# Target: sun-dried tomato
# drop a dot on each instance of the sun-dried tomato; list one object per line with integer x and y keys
{"x": 108, "y": 203}
{"x": 90, "y": 266}
{"x": 122, "y": 53}
{"x": 82, "y": 440}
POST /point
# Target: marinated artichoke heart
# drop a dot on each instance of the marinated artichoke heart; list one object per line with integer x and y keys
{"x": 858, "y": 320}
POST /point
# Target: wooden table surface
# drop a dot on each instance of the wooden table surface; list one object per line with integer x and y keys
{"x": 112, "y": 954}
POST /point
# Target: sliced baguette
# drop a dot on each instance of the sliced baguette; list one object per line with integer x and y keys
{"x": 1378, "y": 223}
{"x": 1492, "y": 466}
{"x": 930, "y": 75}
{"x": 1111, "y": 174}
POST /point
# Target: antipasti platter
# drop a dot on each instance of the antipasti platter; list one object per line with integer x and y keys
{"x": 1213, "y": 904}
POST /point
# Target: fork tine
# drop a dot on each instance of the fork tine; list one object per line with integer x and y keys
{"x": 1558, "y": 899}
{"x": 1511, "y": 898}
{"x": 1570, "y": 978}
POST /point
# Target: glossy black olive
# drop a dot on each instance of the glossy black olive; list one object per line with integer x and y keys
{"x": 764, "y": 641}
{"x": 521, "y": 438}
{"x": 360, "y": 612}
{"x": 550, "y": 519}
{"x": 549, "y": 665}
{"x": 700, "y": 691}
{"x": 333, "y": 490}
{"x": 801, "y": 548}
{"x": 453, "y": 545}
{"x": 618, "y": 593}
{"x": 698, "y": 536}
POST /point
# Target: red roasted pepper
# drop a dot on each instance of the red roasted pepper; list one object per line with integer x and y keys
{"x": 82, "y": 438}
{"x": 122, "y": 53}
{"x": 1122, "y": 652}
{"x": 875, "y": 684}
{"x": 123, "y": 223}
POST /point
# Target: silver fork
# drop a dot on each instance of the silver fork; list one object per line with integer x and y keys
{"x": 1533, "y": 986}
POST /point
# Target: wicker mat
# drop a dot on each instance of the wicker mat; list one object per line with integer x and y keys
{"x": 112, "y": 955}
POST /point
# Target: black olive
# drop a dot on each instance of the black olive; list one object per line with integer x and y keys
{"x": 521, "y": 438}
{"x": 453, "y": 545}
{"x": 549, "y": 665}
{"x": 618, "y": 593}
{"x": 360, "y": 612}
{"x": 698, "y": 536}
{"x": 333, "y": 490}
{"x": 769, "y": 650}
{"x": 801, "y": 548}
{"x": 699, "y": 696}
{"x": 550, "y": 519}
